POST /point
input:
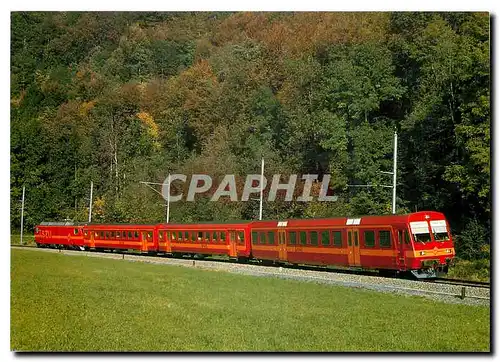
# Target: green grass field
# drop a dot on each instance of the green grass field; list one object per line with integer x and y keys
{"x": 77, "y": 303}
{"x": 28, "y": 239}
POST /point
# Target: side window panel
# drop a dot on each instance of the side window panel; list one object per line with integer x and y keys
{"x": 337, "y": 238}
{"x": 314, "y": 237}
{"x": 384, "y": 238}
{"x": 255, "y": 237}
{"x": 369, "y": 239}
{"x": 262, "y": 237}
{"x": 271, "y": 238}
{"x": 303, "y": 238}
{"x": 407, "y": 237}
{"x": 325, "y": 238}
{"x": 292, "y": 237}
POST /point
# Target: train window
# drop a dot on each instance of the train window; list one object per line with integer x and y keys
{"x": 349, "y": 238}
{"x": 400, "y": 236}
{"x": 441, "y": 236}
{"x": 325, "y": 238}
{"x": 303, "y": 238}
{"x": 223, "y": 237}
{"x": 270, "y": 239}
{"x": 136, "y": 234}
{"x": 185, "y": 236}
{"x": 75, "y": 231}
{"x": 241, "y": 237}
{"x": 113, "y": 234}
{"x": 160, "y": 235}
{"x": 85, "y": 233}
{"x": 262, "y": 238}
{"x": 384, "y": 239}
{"x": 369, "y": 239}
{"x": 355, "y": 238}
{"x": 200, "y": 235}
{"x": 214, "y": 237}
{"x": 255, "y": 237}
{"x": 424, "y": 238}
{"x": 206, "y": 236}
{"x": 174, "y": 235}
{"x": 313, "y": 236}
{"x": 193, "y": 236}
{"x": 107, "y": 234}
{"x": 292, "y": 236}
{"x": 337, "y": 238}
{"x": 118, "y": 234}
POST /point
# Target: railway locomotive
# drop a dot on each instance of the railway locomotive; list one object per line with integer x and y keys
{"x": 419, "y": 243}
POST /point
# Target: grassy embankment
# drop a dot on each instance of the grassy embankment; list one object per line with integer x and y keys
{"x": 77, "y": 303}
{"x": 28, "y": 239}
{"x": 478, "y": 270}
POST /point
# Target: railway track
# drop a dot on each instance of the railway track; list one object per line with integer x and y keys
{"x": 446, "y": 281}
{"x": 460, "y": 282}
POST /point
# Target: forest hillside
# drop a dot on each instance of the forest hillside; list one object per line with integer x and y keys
{"x": 118, "y": 98}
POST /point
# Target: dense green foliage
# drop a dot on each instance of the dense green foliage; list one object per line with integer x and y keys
{"x": 122, "y": 97}
{"x": 77, "y": 303}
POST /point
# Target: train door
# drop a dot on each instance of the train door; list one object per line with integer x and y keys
{"x": 92, "y": 240}
{"x": 400, "y": 245}
{"x": 353, "y": 247}
{"x": 282, "y": 253}
{"x": 144, "y": 241}
{"x": 233, "y": 251}
{"x": 162, "y": 240}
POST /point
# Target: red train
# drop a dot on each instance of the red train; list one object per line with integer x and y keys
{"x": 419, "y": 242}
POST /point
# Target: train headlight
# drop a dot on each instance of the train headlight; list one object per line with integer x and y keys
{"x": 448, "y": 251}
{"x": 422, "y": 253}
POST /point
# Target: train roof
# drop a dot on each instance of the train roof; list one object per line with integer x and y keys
{"x": 62, "y": 223}
{"x": 346, "y": 220}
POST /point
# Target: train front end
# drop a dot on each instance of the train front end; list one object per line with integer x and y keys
{"x": 433, "y": 248}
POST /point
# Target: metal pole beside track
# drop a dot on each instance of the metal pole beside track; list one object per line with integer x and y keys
{"x": 90, "y": 206}
{"x": 261, "y": 188}
{"x": 394, "y": 172}
{"x": 22, "y": 215}
{"x": 168, "y": 199}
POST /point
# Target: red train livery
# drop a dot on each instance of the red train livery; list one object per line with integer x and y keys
{"x": 419, "y": 242}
